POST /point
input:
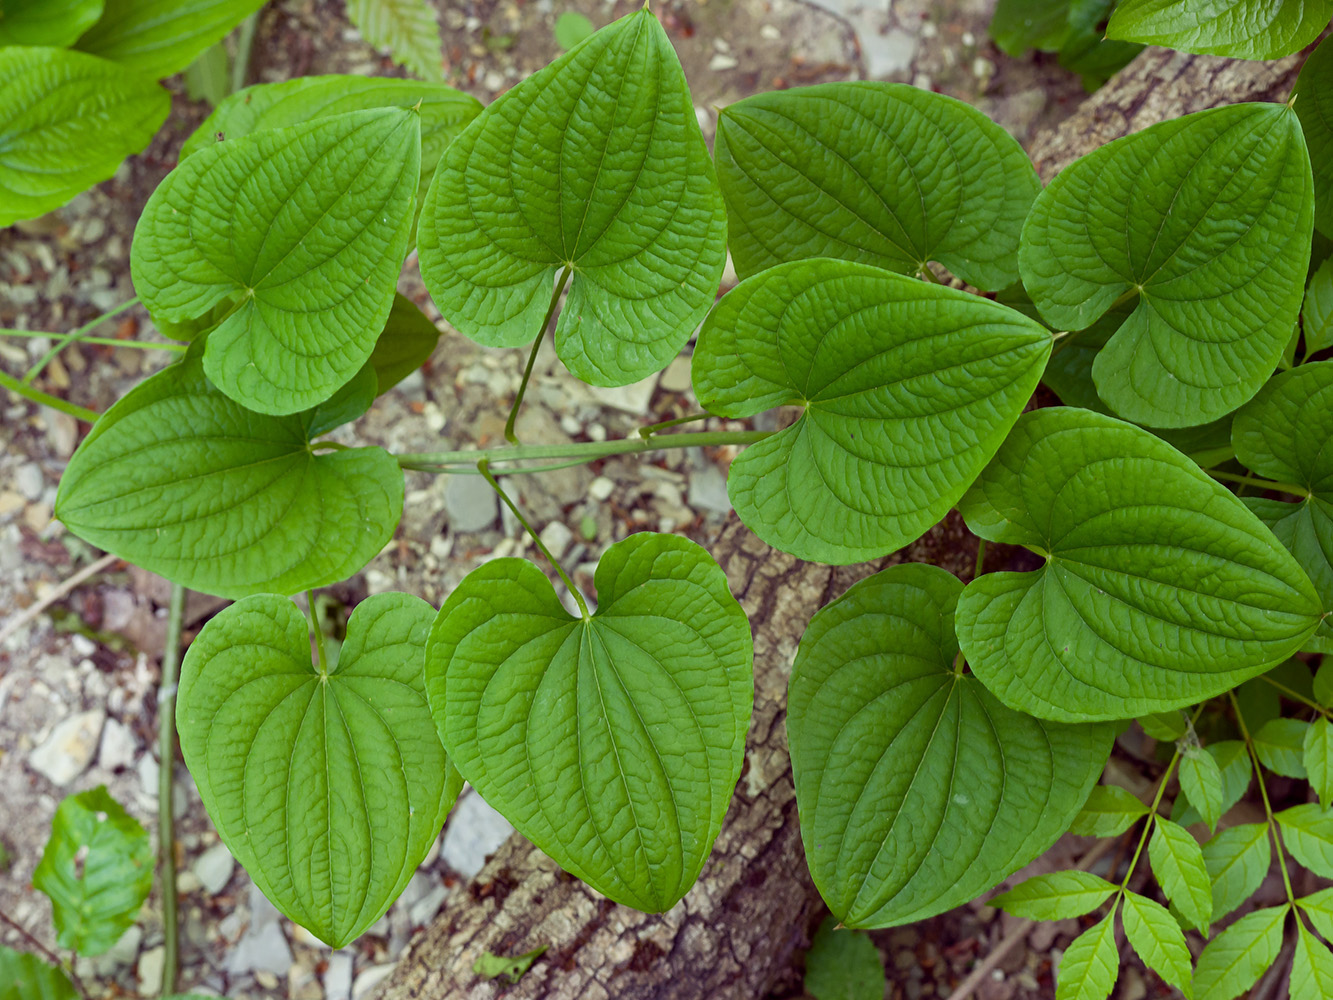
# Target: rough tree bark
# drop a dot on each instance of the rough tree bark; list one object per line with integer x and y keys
{"x": 739, "y": 928}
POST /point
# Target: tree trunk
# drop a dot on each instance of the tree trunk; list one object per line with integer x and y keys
{"x": 739, "y": 928}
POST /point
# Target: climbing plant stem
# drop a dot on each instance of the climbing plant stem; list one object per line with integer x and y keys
{"x": 510, "y": 436}
{"x": 46, "y": 399}
{"x": 584, "y": 451}
{"x": 73, "y": 336}
{"x": 166, "y": 818}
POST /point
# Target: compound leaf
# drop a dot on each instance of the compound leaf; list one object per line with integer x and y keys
{"x": 908, "y": 389}
{"x": 1091, "y": 964}
{"x": 1201, "y": 781}
{"x": 1234, "y": 761}
{"x": 595, "y": 164}
{"x": 1318, "y": 907}
{"x": 1318, "y": 759}
{"x": 407, "y": 28}
{"x": 161, "y": 37}
{"x": 67, "y": 121}
{"x": 328, "y": 783}
{"x": 1158, "y": 940}
{"x": 1307, "y": 833}
{"x": 1108, "y": 812}
{"x": 47, "y": 22}
{"x": 612, "y": 742}
{"x": 1280, "y": 745}
{"x": 1160, "y": 588}
{"x": 1177, "y": 862}
{"x": 883, "y": 173}
{"x": 97, "y": 869}
{"x": 1242, "y": 29}
{"x": 1237, "y": 860}
{"x": 1311, "y": 968}
{"x": 27, "y": 977}
{"x": 304, "y": 230}
{"x": 1233, "y": 961}
{"x": 917, "y": 789}
{"x": 843, "y": 965}
{"x": 1314, "y": 107}
{"x": 1165, "y": 726}
{"x": 1055, "y": 896}
{"x": 182, "y": 481}
{"x": 1207, "y": 218}
{"x": 1284, "y": 433}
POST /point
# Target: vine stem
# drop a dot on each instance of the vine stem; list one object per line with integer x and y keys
{"x": 651, "y": 429}
{"x": 319, "y": 633}
{"x": 74, "y": 335}
{"x": 981, "y": 558}
{"x": 51, "y": 955}
{"x": 46, "y": 399}
{"x": 1263, "y": 794}
{"x": 1267, "y": 484}
{"x": 1152, "y": 815}
{"x": 140, "y": 345}
{"x": 510, "y": 436}
{"x": 484, "y": 469}
{"x": 1295, "y": 696}
{"x": 441, "y": 461}
{"x": 166, "y": 818}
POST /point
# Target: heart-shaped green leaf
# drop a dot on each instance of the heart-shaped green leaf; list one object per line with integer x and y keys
{"x": 97, "y": 869}
{"x": 1207, "y": 219}
{"x": 47, "y": 22}
{"x": 27, "y": 977}
{"x": 908, "y": 390}
{"x": 595, "y": 163}
{"x": 917, "y": 789}
{"x": 883, "y": 173}
{"x": 303, "y": 230}
{"x": 1285, "y": 433}
{"x": 1314, "y": 107}
{"x": 328, "y": 783}
{"x": 1243, "y": 29}
{"x": 66, "y": 122}
{"x": 1160, "y": 588}
{"x": 161, "y": 37}
{"x": 182, "y": 481}
{"x": 612, "y": 742}
{"x": 406, "y": 343}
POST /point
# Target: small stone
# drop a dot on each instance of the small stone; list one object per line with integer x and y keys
{"x": 493, "y": 81}
{"x": 371, "y": 978}
{"x": 475, "y": 831}
{"x": 266, "y": 979}
{"x": 70, "y": 747}
{"x": 633, "y": 399}
{"x": 11, "y": 502}
{"x": 676, "y": 378}
{"x": 122, "y": 954}
{"x": 423, "y": 911}
{"x": 722, "y": 61}
{"x": 338, "y": 977}
{"x": 30, "y": 481}
{"x": 556, "y": 537}
{"x": 214, "y": 868}
{"x": 601, "y": 488}
{"x": 771, "y": 32}
{"x": 708, "y": 490}
{"x": 118, "y": 746}
{"x": 470, "y": 503}
{"x": 149, "y": 970}
{"x": 188, "y": 882}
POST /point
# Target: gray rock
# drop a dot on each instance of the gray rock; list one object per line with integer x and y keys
{"x": 338, "y": 977}
{"x": 70, "y": 747}
{"x": 263, "y": 947}
{"x": 470, "y": 503}
{"x": 475, "y": 830}
{"x": 371, "y": 978}
{"x": 122, "y": 954}
{"x": 708, "y": 490}
{"x": 423, "y": 911}
{"x": 149, "y": 971}
{"x": 556, "y": 537}
{"x": 30, "y": 481}
{"x": 214, "y": 868}
{"x": 633, "y": 399}
{"x": 118, "y": 746}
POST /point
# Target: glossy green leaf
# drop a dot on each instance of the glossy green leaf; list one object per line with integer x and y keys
{"x": 1091, "y": 964}
{"x": 1201, "y": 781}
{"x": 407, "y": 28}
{"x": 1283, "y": 433}
{"x": 612, "y": 742}
{"x": 1311, "y": 968}
{"x": 1055, "y": 896}
{"x": 917, "y": 789}
{"x": 1087, "y": 51}
{"x": 1237, "y": 860}
{"x": 406, "y": 343}
{"x": 67, "y": 121}
{"x": 843, "y": 965}
{"x": 1243, "y": 29}
{"x": 1234, "y": 960}
{"x": 882, "y": 173}
{"x": 328, "y": 783}
{"x": 1318, "y": 906}
{"x": 1108, "y": 812}
{"x": 1159, "y": 590}
{"x": 1317, "y": 309}
{"x": 1207, "y": 219}
{"x": 345, "y": 405}
{"x": 27, "y": 977}
{"x": 47, "y": 22}
{"x": 161, "y": 37}
{"x": 1233, "y": 759}
{"x": 1280, "y": 744}
{"x": 908, "y": 389}
{"x": 182, "y": 481}
{"x": 1177, "y": 862}
{"x": 1318, "y": 759}
{"x": 595, "y": 163}
{"x": 1314, "y": 107}
{"x": 1158, "y": 940}
{"x": 1165, "y": 727}
{"x": 97, "y": 869}
{"x": 304, "y": 230}
{"x": 1307, "y": 834}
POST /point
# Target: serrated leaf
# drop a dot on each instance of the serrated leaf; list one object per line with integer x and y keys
{"x": 908, "y": 389}
{"x": 1160, "y": 588}
{"x": 1201, "y": 781}
{"x": 1108, "y": 812}
{"x": 917, "y": 789}
{"x": 329, "y": 784}
{"x": 1280, "y": 744}
{"x": 1237, "y": 860}
{"x": 1177, "y": 862}
{"x": 1307, "y": 834}
{"x": 1207, "y": 218}
{"x": 605, "y": 172}
{"x": 1318, "y": 759}
{"x": 1091, "y": 964}
{"x": 1055, "y": 896}
{"x": 1317, "y": 308}
{"x": 1242, "y": 29}
{"x": 407, "y": 28}
{"x": 67, "y": 121}
{"x": 47, "y": 22}
{"x": 1283, "y": 433}
{"x": 304, "y": 230}
{"x": 1314, "y": 107}
{"x": 182, "y": 481}
{"x": 1233, "y": 759}
{"x": 1158, "y": 940}
{"x": 1166, "y": 727}
{"x": 872, "y": 172}
{"x": 406, "y": 343}
{"x": 1311, "y": 968}
{"x": 1234, "y": 960}
{"x": 97, "y": 869}
{"x": 161, "y": 37}
{"x": 612, "y": 742}
{"x": 27, "y": 977}
{"x": 843, "y": 965}
{"x": 1318, "y": 906}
